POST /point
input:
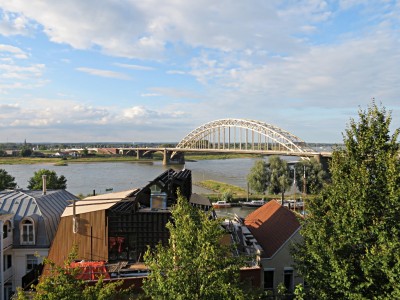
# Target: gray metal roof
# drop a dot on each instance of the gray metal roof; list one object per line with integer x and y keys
{"x": 44, "y": 209}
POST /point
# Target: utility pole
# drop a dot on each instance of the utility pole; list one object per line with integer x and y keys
{"x": 304, "y": 191}
{"x": 294, "y": 187}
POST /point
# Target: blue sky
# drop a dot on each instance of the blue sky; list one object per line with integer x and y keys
{"x": 152, "y": 71}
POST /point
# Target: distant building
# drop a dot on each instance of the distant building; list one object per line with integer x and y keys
{"x": 29, "y": 221}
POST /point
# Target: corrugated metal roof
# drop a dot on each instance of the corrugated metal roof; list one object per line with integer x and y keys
{"x": 98, "y": 202}
{"x": 46, "y": 209}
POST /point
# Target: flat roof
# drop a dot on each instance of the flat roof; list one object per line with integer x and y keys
{"x": 98, "y": 202}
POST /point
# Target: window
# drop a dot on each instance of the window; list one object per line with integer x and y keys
{"x": 7, "y": 262}
{"x": 31, "y": 262}
{"x": 27, "y": 233}
{"x": 6, "y": 229}
{"x": 8, "y": 292}
{"x": 288, "y": 279}
{"x": 269, "y": 279}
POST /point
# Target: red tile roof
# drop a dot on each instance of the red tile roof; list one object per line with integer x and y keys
{"x": 272, "y": 225}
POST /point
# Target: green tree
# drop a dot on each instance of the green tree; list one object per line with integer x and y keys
{"x": 6, "y": 180}
{"x": 279, "y": 181}
{"x": 26, "y": 152}
{"x": 351, "y": 247}
{"x": 53, "y": 181}
{"x": 62, "y": 284}
{"x": 315, "y": 176}
{"x": 195, "y": 264}
{"x": 258, "y": 177}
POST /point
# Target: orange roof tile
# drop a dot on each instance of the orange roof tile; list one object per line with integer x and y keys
{"x": 272, "y": 225}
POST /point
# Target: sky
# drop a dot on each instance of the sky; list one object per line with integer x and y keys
{"x": 153, "y": 71}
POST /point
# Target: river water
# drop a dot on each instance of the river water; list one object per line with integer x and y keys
{"x": 83, "y": 178}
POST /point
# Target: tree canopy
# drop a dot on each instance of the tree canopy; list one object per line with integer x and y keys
{"x": 258, "y": 178}
{"x": 351, "y": 246}
{"x": 315, "y": 176}
{"x": 279, "y": 176}
{"x": 26, "y": 151}
{"x": 53, "y": 181}
{"x": 6, "y": 180}
{"x": 194, "y": 264}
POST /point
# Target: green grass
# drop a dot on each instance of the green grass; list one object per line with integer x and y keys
{"x": 220, "y": 187}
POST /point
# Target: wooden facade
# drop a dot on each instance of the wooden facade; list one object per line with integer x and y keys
{"x": 90, "y": 238}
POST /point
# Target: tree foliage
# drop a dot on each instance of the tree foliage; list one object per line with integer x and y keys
{"x": 351, "y": 246}
{"x": 195, "y": 264}
{"x": 62, "y": 284}
{"x": 279, "y": 180}
{"x": 26, "y": 151}
{"x": 258, "y": 177}
{"x": 315, "y": 176}
{"x": 53, "y": 181}
{"x": 6, "y": 180}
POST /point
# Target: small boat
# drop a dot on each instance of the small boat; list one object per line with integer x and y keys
{"x": 253, "y": 203}
{"x": 221, "y": 204}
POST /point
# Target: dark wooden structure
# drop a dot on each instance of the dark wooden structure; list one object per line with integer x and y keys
{"x": 119, "y": 226}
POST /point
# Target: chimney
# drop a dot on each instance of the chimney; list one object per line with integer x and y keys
{"x": 44, "y": 184}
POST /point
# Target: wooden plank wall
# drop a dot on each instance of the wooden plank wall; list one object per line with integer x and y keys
{"x": 91, "y": 238}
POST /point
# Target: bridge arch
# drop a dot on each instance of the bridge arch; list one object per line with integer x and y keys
{"x": 242, "y": 135}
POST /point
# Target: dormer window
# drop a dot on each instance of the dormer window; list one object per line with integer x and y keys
{"x": 6, "y": 229}
{"x": 27, "y": 232}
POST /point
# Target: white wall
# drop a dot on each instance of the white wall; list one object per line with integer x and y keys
{"x": 19, "y": 262}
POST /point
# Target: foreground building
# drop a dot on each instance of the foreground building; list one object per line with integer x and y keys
{"x": 117, "y": 228}
{"x": 274, "y": 228}
{"x": 29, "y": 221}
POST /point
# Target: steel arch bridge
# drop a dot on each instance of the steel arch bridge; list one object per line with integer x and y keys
{"x": 241, "y": 136}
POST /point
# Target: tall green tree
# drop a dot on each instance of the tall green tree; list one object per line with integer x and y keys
{"x": 194, "y": 264}
{"x": 315, "y": 176}
{"x": 279, "y": 181}
{"x": 6, "y": 180}
{"x": 53, "y": 181}
{"x": 351, "y": 246}
{"x": 258, "y": 176}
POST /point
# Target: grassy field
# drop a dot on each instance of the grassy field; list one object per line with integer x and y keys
{"x": 237, "y": 193}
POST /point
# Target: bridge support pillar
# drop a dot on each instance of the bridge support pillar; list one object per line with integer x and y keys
{"x": 324, "y": 161}
{"x": 137, "y": 154}
{"x": 166, "y": 157}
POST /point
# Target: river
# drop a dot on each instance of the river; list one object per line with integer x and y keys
{"x": 83, "y": 178}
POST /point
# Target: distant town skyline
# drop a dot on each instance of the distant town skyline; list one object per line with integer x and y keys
{"x": 152, "y": 71}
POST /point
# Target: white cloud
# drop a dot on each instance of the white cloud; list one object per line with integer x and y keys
{"x": 104, "y": 73}
{"x": 149, "y": 95}
{"x": 143, "y": 115}
{"x": 176, "y": 72}
{"x": 13, "y": 24}
{"x": 143, "y": 29}
{"x": 16, "y": 72}
{"x": 15, "y": 51}
{"x": 134, "y": 67}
